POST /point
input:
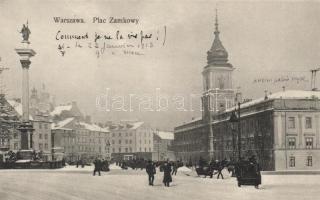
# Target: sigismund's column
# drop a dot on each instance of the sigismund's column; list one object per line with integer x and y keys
{"x": 25, "y": 54}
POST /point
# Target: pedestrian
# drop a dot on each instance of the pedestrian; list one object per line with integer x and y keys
{"x": 151, "y": 171}
{"x": 77, "y": 163}
{"x": 97, "y": 167}
{"x": 220, "y": 168}
{"x": 256, "y": 170}
{"x": 174, "y": 168}
{"x": 167, "y": 174}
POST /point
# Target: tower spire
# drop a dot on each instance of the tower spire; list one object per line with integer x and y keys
{"x": 217, "y": 55}
{"x": 216, "y": 24}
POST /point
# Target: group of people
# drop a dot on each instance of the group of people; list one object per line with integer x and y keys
{"x": 100, "y": 165}
{"x": 167, "y": 170}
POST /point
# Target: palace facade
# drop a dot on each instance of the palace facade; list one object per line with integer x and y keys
{"x": 282, "y": 130}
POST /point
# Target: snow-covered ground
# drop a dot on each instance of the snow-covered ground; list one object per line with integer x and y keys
{"x": 73, "y": 183}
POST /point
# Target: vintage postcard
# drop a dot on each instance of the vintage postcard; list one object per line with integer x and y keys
{"x": 159, "y": 99}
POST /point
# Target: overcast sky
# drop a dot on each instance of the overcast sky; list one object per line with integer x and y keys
{"x": 265, "y": 41}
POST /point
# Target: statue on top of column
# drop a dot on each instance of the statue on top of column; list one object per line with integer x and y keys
{"x": 25, "y": 31}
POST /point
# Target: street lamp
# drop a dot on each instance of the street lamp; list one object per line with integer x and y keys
{"x": 234, "y": 119}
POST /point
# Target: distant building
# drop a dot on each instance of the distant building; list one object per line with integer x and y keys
{"x": 81, "y": 140}
{"x": 131, "y": 140}
{"x": 40, "y": 101}
{"x": 41, "y": 137}
{"x": 162, "y": 141}
{"x": 62, "y": 112}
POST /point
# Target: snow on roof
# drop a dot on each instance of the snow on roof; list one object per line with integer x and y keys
{"x": 61, "y": 124}
{"x": 165, "y": 135}
{"x": 289, "y": 94}
{"x": 93, "y": 127}
{"x": 58, "y": 109}
{"x": 17, "y": 107}
{"x": 136, "y": 125}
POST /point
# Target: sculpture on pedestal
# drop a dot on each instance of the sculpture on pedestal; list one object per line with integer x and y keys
{"x": 25, "y": 31}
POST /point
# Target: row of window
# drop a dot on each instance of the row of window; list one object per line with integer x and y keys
{"x": 308, "y": 143}
{"x": 43, "y": 126}
{"x": 120, "y": 134}
{"x": 292, "y": 122}
{"x": 45, "y": 136}
{"x": 46, "y": 146}
{"x": 127, "y": 150}
{"x": 130, "y": 134}
{"x": 292, "y": 161}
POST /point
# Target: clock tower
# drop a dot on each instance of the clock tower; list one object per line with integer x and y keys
{"x": 218, "y": 94}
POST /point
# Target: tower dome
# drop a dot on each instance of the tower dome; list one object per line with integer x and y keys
{"x": 217, "y": 55}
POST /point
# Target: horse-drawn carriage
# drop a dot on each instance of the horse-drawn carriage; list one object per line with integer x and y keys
{"x": 248, "y": 173}
{"x": 205, "y": 170}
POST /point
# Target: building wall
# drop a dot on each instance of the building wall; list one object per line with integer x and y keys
{"x": 42, "y": 137}
{"x": 160, "y": 147}
{"x": 297, "y": 139}
{"x": 81, "y": 143}
{"x": 134, "y": 143}
{"x": 191, "y": 142}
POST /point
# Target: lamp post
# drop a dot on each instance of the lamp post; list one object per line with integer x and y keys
{"x": 236, "y": 119}
{"x": 239, "y": 133}
{"x": 233, "y": 120}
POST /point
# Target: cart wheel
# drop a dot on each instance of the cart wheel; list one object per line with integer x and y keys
{"x": 239, "y": 185}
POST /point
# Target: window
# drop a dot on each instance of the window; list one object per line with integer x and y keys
{"x": 130, "y": 134}
{"x": 113, "y": 150}
{"x": 150, "y": 149}
{"x": 46, "y": 136}
{"x": 16, "y": 146}
{"x": 112, "y": 134}
{"x": 126, "y": 150}
{"x": 15, "y": 135}
{"x": 308, "y": 122}
{"x": 112, "y": 141}
{"x": 119, "y": 141}
{"x": 291, "y": 122}
{"x": 145, "y": 149}
{"x": 40, "y": 126}
{"x": 119, "y": 134}
{"x": 130, "y": 149}
{"x": 292, "y": 143}
{"x": 292, "y": 161}
{"x": 309, "y": 142}
{"x": 40, "y": 146}
{"x": 309, "y": 161}
{"x": 130, "y": 141}
{"x": 46, "y": 126}
{"x": 46, "y": 146}
{"x": 40, "y": 136}
{"x": 126, "y": 141}
{"x": 140, "y": 149}
{"x": 119, "y": 149}
{"x": 126, "y": 134}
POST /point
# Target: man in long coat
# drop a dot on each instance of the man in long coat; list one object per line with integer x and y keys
{"x": 167, "y": 174}
{"x": 151, "y": 171}
{"x": 97, "y": 167}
